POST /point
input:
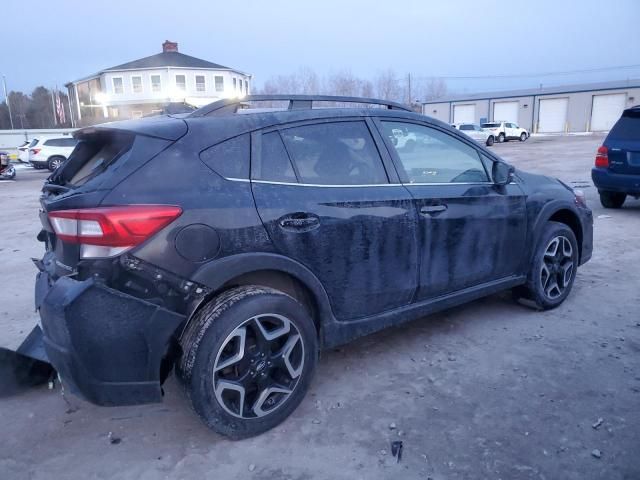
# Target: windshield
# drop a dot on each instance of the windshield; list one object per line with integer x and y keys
{"x": 490, "y": 125}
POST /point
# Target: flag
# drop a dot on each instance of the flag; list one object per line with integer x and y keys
{"x": 60, "y": 108}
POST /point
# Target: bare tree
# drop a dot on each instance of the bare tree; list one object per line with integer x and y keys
{"x": 388, "y": 86}
{"x": 433, "y": 89}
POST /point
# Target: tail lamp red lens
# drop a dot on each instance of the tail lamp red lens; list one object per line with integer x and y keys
{"x": 116, "y": 228}
{"x": 602, "y": 157}
{"x": 35, "y": 151}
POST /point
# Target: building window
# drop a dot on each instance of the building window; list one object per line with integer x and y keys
{"x": 136, "y": 84}
{"x": 219, "y": 83}
{"x": 200, "y": 85}
{"x": 118, "y": 86}
{"x": 235, "y": 86}
{"x": 240, "y": 85}
{"x": 246, "y": 87}
{"x": 156, "y": 86}
{"x": 181, "y": 83}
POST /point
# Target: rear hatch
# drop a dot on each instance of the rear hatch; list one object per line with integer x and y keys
{"x": 623, "y": 143}
{"x": 105, "y": 155}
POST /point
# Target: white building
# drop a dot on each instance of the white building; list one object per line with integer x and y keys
{"x": 145, "y": 86}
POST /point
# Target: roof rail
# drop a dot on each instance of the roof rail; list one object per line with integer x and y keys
{"x": 296, "y": 102}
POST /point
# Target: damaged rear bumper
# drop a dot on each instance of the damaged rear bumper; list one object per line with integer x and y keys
{"x": 107, "y": 346}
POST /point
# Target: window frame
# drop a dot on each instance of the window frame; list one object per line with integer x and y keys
{"x": 204, "y": 83}
{"x": 387, "y": 162}
{"x": 215, "y": 83}
{"x": 175, "y": 81}
{"x": 113, "y": 85}
{"x": 463, "y": 138}
{"x": 133, "y": 86}
{"x": 153, "y": 84}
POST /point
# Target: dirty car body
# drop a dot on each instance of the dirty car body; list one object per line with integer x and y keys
{"x": 149, "y": 220}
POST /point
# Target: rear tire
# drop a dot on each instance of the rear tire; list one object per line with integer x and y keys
{"x": 490, "y": 141}
{"x": 501, "y": 138}
{"x": 612, "y": 199}
{"x": 249, "y": 357}
{"x": 553, "y": 267}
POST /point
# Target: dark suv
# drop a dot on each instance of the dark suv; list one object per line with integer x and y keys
{"x": 616, "y": 173}
{"x": 234, "y": 243}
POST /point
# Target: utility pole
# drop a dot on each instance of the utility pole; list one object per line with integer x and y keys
{"x": 53, "y": 106}
{"x": 6, "y": 98}
{"x": 409, "y": 88}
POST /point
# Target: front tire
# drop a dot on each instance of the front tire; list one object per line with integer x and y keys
{"x": 612, "y": 199}
{"x": 523, "y": 137}
{"x": 490, "y": 141}
{"x": 553, "y": 267}
{"x": 248, "y": 359}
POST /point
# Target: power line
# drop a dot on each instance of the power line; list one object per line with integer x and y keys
{"x": 531, "y": 75}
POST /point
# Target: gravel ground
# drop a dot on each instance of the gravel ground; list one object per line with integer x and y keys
{"x": 487, "y": 390}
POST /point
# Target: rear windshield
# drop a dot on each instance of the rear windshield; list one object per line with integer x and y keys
{"x": 466, "y": 127}
{"x": 490, "y": 125}
{"x": 627, "y": 127}
{"x": 34, "y": 142}
{"x": 95, "y": 155}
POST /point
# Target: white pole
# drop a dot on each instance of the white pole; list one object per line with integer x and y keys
{"x": 6, "y": 98}
{"x": 53, "y": 105}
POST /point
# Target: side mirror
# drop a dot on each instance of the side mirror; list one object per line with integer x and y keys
{"x": 502, "y": 173}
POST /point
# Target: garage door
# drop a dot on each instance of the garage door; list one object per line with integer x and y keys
{"x": 606, "y": 111}
{"x": 464, "y": 113}
{"x": 506, "y": 111}
{"x": 553, "y": 115}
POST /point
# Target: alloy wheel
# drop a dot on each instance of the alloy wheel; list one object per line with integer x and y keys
{"x": 258, "y": 366}
{"x": 55, "y": 163}
{"x": 557, "y": 267}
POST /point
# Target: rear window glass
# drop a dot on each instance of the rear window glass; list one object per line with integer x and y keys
{"x": 341, "y": 153}
{"x": 627, "y": 127}
{"x": 490, "y": 125}
{"x": 229, "y": 158}
{"x": 96, "y": 155}
{"x": 466, "y": 127}
{"x": 274, "y": 165}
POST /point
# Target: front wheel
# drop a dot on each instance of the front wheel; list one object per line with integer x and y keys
{"x": 490, "y": 141}
{"x": 553, "y": 267}
{"x": 249, "y": 357}
{"x": 612, "y": 199}
{"x": 54, "y": 162}
{"x": 523, "y": 137}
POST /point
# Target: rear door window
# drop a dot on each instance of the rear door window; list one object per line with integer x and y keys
{"x": 274, "y": 165}
{"x": 229, "y": 158}
{"x": 340, "y": 153}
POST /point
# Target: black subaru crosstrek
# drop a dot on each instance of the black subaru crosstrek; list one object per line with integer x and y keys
{"x": 233, "y": 243}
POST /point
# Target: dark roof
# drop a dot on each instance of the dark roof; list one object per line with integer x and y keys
{"x": 167, "y": 59}
{"x": 585, "y": 87}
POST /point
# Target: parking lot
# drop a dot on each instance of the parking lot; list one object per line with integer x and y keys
{"x": 487, "y": 390}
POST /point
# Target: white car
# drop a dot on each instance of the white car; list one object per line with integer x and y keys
{"x": 505, "y": 131}
{"x": 476, "y": 132}
{"x": 51, "y": 152}
{"x": 23, "y": 151}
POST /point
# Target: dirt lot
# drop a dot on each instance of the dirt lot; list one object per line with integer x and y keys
{"x": 487, "y": 390}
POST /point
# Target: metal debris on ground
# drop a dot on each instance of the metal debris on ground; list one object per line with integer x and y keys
{"x": 597, "y": 424}
{"x": 396, "y": 450}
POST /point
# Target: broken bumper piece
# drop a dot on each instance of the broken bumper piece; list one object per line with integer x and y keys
{"x": 107, "y": 346}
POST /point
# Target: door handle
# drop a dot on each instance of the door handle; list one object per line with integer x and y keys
{"x": 432, "y": 209}
{"x": 299, "y": 222}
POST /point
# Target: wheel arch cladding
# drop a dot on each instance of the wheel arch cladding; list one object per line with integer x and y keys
{"x": 570, "y": 219}
{"x": 268, "y": 270}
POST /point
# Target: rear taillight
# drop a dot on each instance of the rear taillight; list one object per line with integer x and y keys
{"x": 109, "y": 231}
{"x": 35, "y": 151}
{"x": 602, "y": 157}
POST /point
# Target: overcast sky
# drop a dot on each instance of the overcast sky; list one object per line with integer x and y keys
{"x": 55, "y": 41}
